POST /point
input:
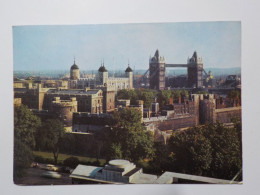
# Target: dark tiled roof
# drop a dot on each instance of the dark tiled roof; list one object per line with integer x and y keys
{"x": 128, "y": 69}
{"x": 102, "y": 69}
{"x": 74, "y": 66}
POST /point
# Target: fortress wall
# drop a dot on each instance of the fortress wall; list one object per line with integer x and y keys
{"x": 224, "y": 115}
{"x": 175, "y": 123}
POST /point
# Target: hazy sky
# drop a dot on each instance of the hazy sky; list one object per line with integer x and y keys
{"x": 54, "y": 47}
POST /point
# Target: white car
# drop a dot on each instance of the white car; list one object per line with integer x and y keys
{"x": 51, "y": 174}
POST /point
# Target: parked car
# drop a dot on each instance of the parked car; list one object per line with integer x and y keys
{"x": 51, "y": 174}
{"x": 51, "y": 167}
{"x": 34, "y": 164}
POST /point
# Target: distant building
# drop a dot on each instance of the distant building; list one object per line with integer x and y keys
{"x": 192, "y": 111}
{"x": 115, "y": 172}
{"x": 157, "y": 71}
{"x": 117, "y": 83}
{"x": 89, "y": 100}
{"x": 113, "y": 83}
{"x": 109, "y": 97}
{"x": 74, "y": 76}
{"x": 123, "y": 103}
{"x": 195, "y": 69}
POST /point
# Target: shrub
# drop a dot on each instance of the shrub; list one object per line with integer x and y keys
{"x": 71, "y": 162}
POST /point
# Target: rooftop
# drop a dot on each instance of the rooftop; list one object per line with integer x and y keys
{"x": 143, "y": 178}
{"x": 74, "y": 92}
{"x": 85, "y": 171}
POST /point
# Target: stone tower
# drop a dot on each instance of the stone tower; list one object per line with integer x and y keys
{"x": 195, "y": 68}
{"x": 129, "y": 75}
{"x": 64, "y": 109}
{"x": 74, "y": 72}
{"x": 157, "y": 71}
{"x": 103, "y": 74}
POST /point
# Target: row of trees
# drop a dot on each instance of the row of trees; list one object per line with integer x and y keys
{"x": 209, "y": 150}
{"x": 148, "y": 96}
{"x": 31, "y": 133}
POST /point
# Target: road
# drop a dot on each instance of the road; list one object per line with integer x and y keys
{"x": 33, "y": 177}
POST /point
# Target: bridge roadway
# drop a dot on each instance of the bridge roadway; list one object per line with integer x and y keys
{"x": 177, "y": 65}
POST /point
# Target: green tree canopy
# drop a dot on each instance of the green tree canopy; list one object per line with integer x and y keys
{"x": 209, "y": 150}
{"x": 147, "y": 95}
{"x": 25, "y": 125}
{"x": 164, "y": 97}
{"x": 23, "y": 158}
{"x": 51, "y": 135}
{"x": 115, "y": 151}
{"x": 191, "y": 152}
{"x": 128, "y": 95}
{"x": 128, "y": 134}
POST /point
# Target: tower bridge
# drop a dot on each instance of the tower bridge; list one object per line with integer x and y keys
{"x": 157, "y": 67}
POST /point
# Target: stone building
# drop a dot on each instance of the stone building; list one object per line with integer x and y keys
{"x": 32, "y": 95}
{"x": 207, "y": 109}
{"x": 74, "y": 76}
{"x": 109, "y": 97}
{"x": 89, "y": 100}
{"x": 64, "y": 109}
{"x": 113, "y": 83}
{"x": 195, "y": 68}
{"x": 192, "y": 111}
{"x": 157, "y": 71}
{"x": 117, "y": 83}
{"x": 90, "y": 123}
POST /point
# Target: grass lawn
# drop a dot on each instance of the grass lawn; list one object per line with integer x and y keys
{"x": 62, "y": 157}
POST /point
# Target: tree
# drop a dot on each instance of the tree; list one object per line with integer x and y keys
{"x": 192, "y": 152}
{"x": 128, "y": 133}
{"x": 209, "y": 150}
{"x": 227, "y": 154}
{"x": 160, "y": 161}
{"x": 22, "y": 158}
{"x": 164, "y": 97}
{"x": 71, "y": 162}
{"x": 202, "y": 92}
{"x": 128, "y": 94}
{"x": 51, "y": 135}
{"x": 178, "y": 93}
{"x": 234, "y": 94}
{"x": 115, "y": 151}
{"x": 25, "y": 126}
{"x": 147, "y": 96}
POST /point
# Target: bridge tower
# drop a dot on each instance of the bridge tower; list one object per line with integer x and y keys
{"x": 195, "y": 68}
{"x": 157, "y": 71}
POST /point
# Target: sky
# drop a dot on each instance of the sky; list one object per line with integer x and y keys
{"x": 54, "y": 47}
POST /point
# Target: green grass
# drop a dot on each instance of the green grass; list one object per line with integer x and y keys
{"x": 62, "y": 157}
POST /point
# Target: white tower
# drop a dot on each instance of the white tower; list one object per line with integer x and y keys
{"x": 103, "y": 74}
{"x": 129, "y": 74}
